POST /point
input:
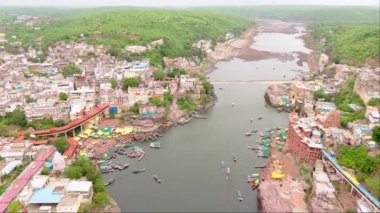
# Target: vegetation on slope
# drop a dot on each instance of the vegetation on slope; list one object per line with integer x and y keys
{"x": 359, "y": 14}
{"x": 119, "y": 28}
{"x": 345, "y": 97}
{"x": 365, "y": 166}
{"x": 348, "y": 43}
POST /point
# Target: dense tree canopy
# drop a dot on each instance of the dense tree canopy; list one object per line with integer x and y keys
{"x": 63, "y": 96}
{"x": 374, "y": 102}
{"x": 70, "y": 69}
{"x": 348, "y": 43}
{"x": 130, "y": 82}
{"x": 376, "y": 134}
{"x": 15, "y": 207}
{"x": 61, "y": 144}
{"x": 159, "y": 75}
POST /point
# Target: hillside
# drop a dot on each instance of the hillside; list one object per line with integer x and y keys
{"x": 358, "y": 14}
{"x": 118, "y": 28}
{"x": 348, "y": 43}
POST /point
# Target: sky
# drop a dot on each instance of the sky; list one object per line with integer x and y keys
{"x": 180, "y": 3}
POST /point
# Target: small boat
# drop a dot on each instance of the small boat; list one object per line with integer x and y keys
{"x": 155, "y": 145}
{"x": 184, "y": 120}
{"x": 248, "y": 133}
{"x": 109, "y": 182}
{"x": 138, "y": 171}
{"x": 252, "y": 148}
{"x": 239, "y": 195}
{"x": 255, "y": 184}
{"x": 251, "y": 120}
{"x": 125, "y": 166}
{"x": 234, "y": 157}
{"x": 284, "y": 76}
{"x": 106, "y": 170}
{"x": 260, "y": 118}
{"x": 155, "y": 177}
{"x": 233, "y": 104}
{"x": 141, "y": 157}
{"x": 222, "y": 165}
{"x": 220, "y": 88}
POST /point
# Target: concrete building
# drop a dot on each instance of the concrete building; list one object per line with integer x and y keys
{"x": 83, "y": 188}
{"x": 304, "y": 138}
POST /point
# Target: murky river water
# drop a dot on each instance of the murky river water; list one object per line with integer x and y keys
{"x": 189, "y": 159}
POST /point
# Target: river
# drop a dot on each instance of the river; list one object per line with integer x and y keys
{"x": 189, "y": 159}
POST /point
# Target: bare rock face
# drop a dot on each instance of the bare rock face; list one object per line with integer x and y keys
{"x": 274, "y": 93}
{"x": 271, "y": 201}
{"x": 324, "y": 204}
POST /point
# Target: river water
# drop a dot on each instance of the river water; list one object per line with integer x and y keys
{"x": 189, "y": 159}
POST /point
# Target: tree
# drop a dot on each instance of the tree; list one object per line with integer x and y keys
{"x": 17, "y": 117}
{"x": 29, "y": 100}
{"x": 130, "y": 82}
{"x": 73, "y": 172}
{"x": 70, "y": 69}
{"x": 159, "y": 75}
{"x": 99, "y": 186}
{"x": 376, "y": 134}
{"x": 374, "y": 102}
{"x": 15, "y": 206}
{"x": 61, "y": 144}
{"x": 45, "y": 171}
{"x": 113, "y": 83}
{"x": 100, "y": 199}
{"x": 135, "y": 109}
{"x": 63, "y": 96}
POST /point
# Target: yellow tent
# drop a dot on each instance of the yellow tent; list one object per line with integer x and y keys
{"x": 277, "y": 175}
{"x": 87, "y": 131}
{"x": 77, "y": 138}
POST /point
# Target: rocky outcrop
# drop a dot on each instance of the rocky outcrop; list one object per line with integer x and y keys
{"x": 270, "y": 200}
{"x": 275, "y": 92}
{"x": 324, "y": 204}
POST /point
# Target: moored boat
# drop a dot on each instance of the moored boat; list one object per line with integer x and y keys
{"x": 109, "y": 182}
{"x": 157, "y": 179}
{"x": 138, "y": 171}
{"x": 239, "y": 195}
{"x": 156, "y": 144}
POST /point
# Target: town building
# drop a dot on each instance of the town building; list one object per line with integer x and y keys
{"x": 304, "y": 138}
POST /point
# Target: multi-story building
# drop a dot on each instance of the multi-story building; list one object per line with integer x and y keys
{"x": 304, "y": 138}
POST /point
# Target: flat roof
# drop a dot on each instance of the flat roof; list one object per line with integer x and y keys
{"x": 10, "y": 167}
{"x": 45, "y": 196}
{"x": 79, "y": 186}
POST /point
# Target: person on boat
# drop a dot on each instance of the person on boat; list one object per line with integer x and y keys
{"x": 228, "y": 171}
{"x": 234, "y": 157}
{"x": 222, "y": 165}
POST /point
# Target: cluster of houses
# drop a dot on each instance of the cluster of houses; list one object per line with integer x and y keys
{"x": 35, "y": 87}
{"x": 319, "y": 117}
{"x": 35, "y": 191}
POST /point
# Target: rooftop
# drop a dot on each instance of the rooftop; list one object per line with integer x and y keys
{"x": 45, "y": 196}
{"x": 79, "y": 186}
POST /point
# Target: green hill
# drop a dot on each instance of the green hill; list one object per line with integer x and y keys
{"x": 118, "y": 28}
{"x": 348, "y": 43}
{"x": 358, "y": 14}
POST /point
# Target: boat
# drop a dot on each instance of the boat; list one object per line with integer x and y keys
{"x": 109, "y": 182}
{"x": 138, "y": 171}
{"x": 233, "y": 104}
{"x": 260, "y": 118}
{"x": 248, "y": 133}
{"x": 125, "y": 166}
{"x": 234, "y": 157}
{"x": 106, "y": 170}
{"x": 220, "y": 88}
{"x": 184, "y": 120}
{"x": 255, "y": 184}
{"x": 155, "y": 145}
{"x": 239, "y": 195}
{"x": 155, "y": 177}
{"x": 141, "y": 157}
{"x": 252, "y": 148}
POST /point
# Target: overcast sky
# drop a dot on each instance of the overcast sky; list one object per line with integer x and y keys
{"x": 180, "y": 3}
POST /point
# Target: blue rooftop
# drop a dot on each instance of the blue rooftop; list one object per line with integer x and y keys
{"x": 10, "y": 167}
{"x": 140, "y": 65}
{"x": 45, "y": 196}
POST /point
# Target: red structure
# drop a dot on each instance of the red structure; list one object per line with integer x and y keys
{"x": 73, "y": 124}
{"x": 304, "y": 138}
{"x": 73, "y": 146}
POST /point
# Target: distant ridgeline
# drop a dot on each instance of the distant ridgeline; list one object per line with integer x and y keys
{"x": 118, "y": 28}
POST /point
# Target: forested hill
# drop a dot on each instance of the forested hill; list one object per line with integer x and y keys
{"x": 352, "y": 14}
{"x": 348, "y": 43}
{"x": 118, "y": 28}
